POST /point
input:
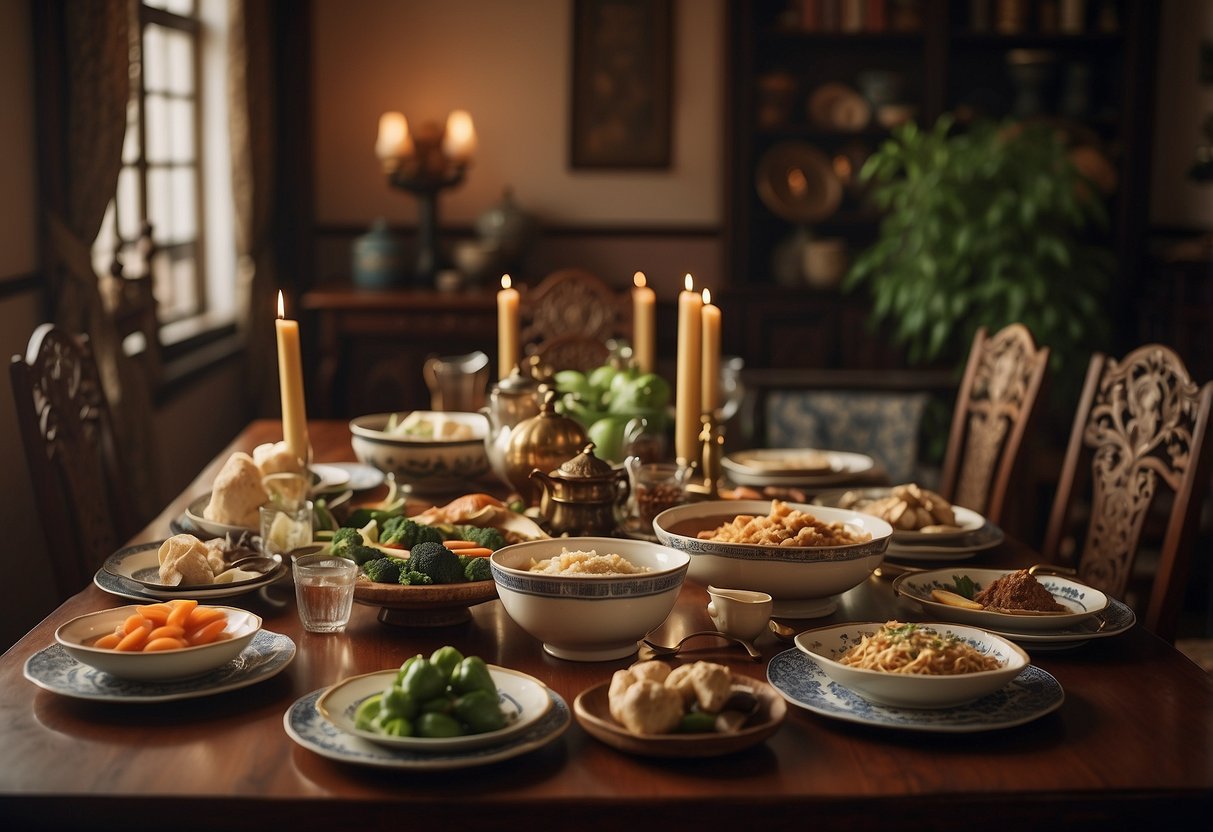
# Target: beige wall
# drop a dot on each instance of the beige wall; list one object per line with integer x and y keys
{"x": 1182, "y": 106}
{"x": 507, "y": 63}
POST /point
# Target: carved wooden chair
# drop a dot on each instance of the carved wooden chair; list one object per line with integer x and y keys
{"x": 74, "y": 457}
{"x": 570, "y": 317}
{"x": 994, "y": 405}
{"x": 1139, "y": 446}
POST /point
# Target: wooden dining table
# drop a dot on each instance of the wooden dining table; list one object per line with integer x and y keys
{"x": 1131, "y": 746}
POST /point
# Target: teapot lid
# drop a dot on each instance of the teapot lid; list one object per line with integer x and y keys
{"x": 517, "y": 382}
{"x": 585, "y": 466}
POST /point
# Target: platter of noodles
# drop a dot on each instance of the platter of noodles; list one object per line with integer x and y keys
{"x": 802, "y": 682}
{"x": 1006, "y": 601}
{"x": 908, "y": 665}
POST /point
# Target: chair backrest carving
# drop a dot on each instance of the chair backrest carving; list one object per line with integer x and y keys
{"x": 994, "y": 405}
{"x": 1140, "y": 437}
{"x": 73, "y": 455}
{"x": 568, "y": 318}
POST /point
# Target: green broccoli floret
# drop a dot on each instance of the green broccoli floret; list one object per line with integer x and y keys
{"x": 486, "y": 536}
{"x": 400, "y": 531}
{"x": 437, "y": 561}
{"x": 477, "y": 569}
{"x": 363, "y": 554}
{"x": 412, "y": 578}
{"x": 384, "y": 570}
{"x": 427, "y": 534}
{"x": 344, "y": 539}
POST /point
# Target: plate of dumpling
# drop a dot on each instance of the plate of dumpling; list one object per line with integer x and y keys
{"x": 243, "y": 485}
{"x": 186, "y": 565}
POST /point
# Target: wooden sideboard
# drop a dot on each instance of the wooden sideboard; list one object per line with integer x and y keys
{"x": 372, "y": 343}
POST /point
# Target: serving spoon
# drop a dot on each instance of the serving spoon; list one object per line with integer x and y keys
{"x": 663, "y": 650}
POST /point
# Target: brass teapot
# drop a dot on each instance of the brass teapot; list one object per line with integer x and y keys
{"x": 511, "y": 401}
{"x": 542, "y": 441}
{"x": 583, "y": 497}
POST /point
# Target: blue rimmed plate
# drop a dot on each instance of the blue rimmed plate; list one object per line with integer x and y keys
{"x": 1029, "y": 696}
{"x": 54, "y": 670}
{"x": 307, "y": 727}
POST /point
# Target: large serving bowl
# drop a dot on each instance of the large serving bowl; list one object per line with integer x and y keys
{"x": 423, "y": 464}
{"x": 589, "y": 618}
{"x": 909, "y": 690}
{"x": 77, "y": 635}
{"x": 803, "y": 580}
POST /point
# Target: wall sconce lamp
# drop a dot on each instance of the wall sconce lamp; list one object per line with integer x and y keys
{"x": 424, "y": 162}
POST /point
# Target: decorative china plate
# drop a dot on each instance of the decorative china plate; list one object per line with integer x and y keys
{"x": 329, "y": 477}
{"x": 524, "y": 700}
{"x": 1112, "y": 621}
{"x": 963, "y": 547}
{"x": 192, "y": 521}
{"x": 126, "y": 573}
{"x": 1081, "y": 601}
{"x": 359, "y": 477}
{"x": 593, "y": 714}
{"x": 797, "y": 182}
{"x": 1031, "y": 695}
{"x": 748, "y": 468}
{"x": 967, "y": 520}
{"x": 54, "y": 670}
{"x": 305, "y": 725}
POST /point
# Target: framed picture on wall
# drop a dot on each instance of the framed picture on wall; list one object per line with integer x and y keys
{"x": 621, "y": 84}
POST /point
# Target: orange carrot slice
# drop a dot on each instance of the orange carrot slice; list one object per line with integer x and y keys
{"x": 134, "y": 622}
{"x": 156, "y": 613}
{"x": 133, "y": 640}
{"x": 456, "y": 545}
{"x": 207, "y": 633}
{"x": 159, "y": 644}
{"x": 108, "y": 641}
{"x": 167, "y": 631}
{"x": 203, "y": 615}
{"x": 180, "y": 612}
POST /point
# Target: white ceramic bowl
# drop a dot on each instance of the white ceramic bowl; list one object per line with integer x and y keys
{"x": 162, "y": 666}
{"x": 427, "y": 465}
{"x": 589, "y": 618}
{"x": 905, "y": 690}
{"x": 803, "y": 580}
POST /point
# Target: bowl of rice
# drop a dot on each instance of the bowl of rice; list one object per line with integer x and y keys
{"x": 802, "y": 556}
{"x": 914, "y": 665}
{"x": 588, "y": 598}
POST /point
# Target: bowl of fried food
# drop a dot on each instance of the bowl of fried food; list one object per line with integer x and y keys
{"x": 801, "y": 555}
{"x": 161, "y": 642}
{"x": 914, "y": 665}
{"x": 427, "y": 451}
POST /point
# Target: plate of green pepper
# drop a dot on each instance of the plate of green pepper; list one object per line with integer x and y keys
{"x": 444, "y": 702}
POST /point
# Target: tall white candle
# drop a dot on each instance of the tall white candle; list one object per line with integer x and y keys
{"x": 507, "y": 328}
{"x": 290, "y": 384}
{"x": 687, "y": 395}
{"x": 710, "y": 384}
{"x": 644, "y": 305}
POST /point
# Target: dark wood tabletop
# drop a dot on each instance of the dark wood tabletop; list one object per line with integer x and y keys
{"x": 1131, "y": 746}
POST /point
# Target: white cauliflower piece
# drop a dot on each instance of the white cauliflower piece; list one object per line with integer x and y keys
{"x": 650, "y": 707}
{"x": 655, "y": 670}
{"x": 712, "y": 684}
{"x": 620, "y": 682}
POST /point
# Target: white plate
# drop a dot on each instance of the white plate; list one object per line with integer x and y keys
{"x": 1031, "y": 695}
{"x": 305, "y": 725}
{"x": 142, "y": 556}
{"x": 141, "y": 564}
{"x": 1081, "y": 600}
{"x": 843, "y": 466}
{"x": 329, "y": 477}
{"x": 963, "y": 547}
{"x": 54, "y": 670}
{"x": 967, "y": 520}
{"x": 524, "y": 699}
{"x": 361, "y": 477}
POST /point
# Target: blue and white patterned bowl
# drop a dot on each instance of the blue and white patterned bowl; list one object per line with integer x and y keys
{"x": 905, "y": 690}
{"x": 589, "y": 618}
{"x": 801, "y": 579}
{"x": 430, "y": 465}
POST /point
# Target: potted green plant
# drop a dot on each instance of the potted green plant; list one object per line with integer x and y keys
{"x": 985, "y": 227}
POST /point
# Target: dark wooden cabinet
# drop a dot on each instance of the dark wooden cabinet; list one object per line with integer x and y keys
{"x": 370, "y": 346}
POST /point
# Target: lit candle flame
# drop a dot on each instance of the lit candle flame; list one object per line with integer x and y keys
{"x": 689, "y": 282}
{"x": 505, "y": 281}
{"x": 707, "y": 296}
{"x": 281, "y": 306}
{"x": 639, "y": 280}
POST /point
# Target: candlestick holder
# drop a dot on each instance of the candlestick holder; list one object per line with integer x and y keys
{"x": 425, "y": 173}
{"x": 703, "y": 475}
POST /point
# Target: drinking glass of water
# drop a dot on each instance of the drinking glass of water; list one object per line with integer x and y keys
{"x": 324, "y": 590}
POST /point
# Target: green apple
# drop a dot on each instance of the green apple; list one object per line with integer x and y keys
{"x": 607, "y": 436}
{"x": 647, "y": 392}
{"x": 572, "y": 381}
{"x": 600, "y": 378}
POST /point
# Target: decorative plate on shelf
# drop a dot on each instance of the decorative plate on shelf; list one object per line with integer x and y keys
{"x": 835, "y": 106}
{"x": 796, "y": 181}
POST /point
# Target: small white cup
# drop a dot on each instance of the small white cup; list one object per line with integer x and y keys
{"x": 740, "y": 613}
